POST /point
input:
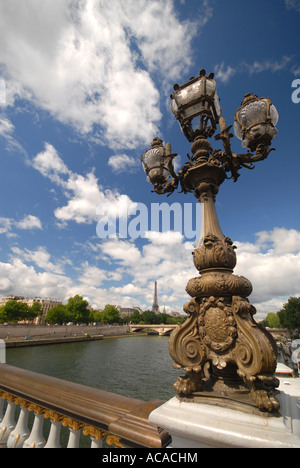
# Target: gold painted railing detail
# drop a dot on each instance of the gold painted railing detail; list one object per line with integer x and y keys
{"x": 103, "y": 417}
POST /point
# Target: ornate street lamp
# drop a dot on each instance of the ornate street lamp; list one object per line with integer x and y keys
{"x": 227, "y": 357}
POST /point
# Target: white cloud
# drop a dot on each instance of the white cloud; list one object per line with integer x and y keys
{"x": 84, "y": 196}
{"x": 123, "y": 273}
{"x": 5, "y": 225}
{"x": 164, "y": 42}
{"x": 83, "y": 61}
{"x": 222, "y": 74}
{"x": 6, "y": 127}
{"x": 272, "y": 264}
{"x": 293, "y": 5}
{"x": 29, "y": 222}
{"x": 40, "y": 257}
{"x": 123, "y": 163}
{"x": 83, "y": 192}
{"x": 274, "y": 270}
{"x": 92, "y": 275}
{"x": 49, "y": 163}
{"x": 280, "y": 240}
{"x": 7, "y": 133}
{"x": 268, "y": 64}
{"x": 2, "y": 91}
{"x": 163, "y": 258}
{"x": 22, "y": 279}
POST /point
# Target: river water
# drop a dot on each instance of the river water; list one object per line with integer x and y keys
{"x": 137, "y": 367}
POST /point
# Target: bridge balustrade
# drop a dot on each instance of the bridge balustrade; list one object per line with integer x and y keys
{"x": 76, "y": 415}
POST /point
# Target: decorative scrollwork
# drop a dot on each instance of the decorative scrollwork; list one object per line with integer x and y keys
{"x": 244, "y": 358}
{"x": 255, "y": 356}
{"x": 184, "y": 344}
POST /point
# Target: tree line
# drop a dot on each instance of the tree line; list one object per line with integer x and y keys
{"x": 77, "y": 311}
{"x": 287, "y": 317}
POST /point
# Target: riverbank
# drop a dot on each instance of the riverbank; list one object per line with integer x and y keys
{"x": 34, "y": 335}
{"x": 50, "y": 340}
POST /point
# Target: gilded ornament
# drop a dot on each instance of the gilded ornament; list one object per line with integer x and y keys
{"x": 72, "y": 423}
{"x": 94, "y": 432}
{"x": 113, "y": 440}
{"x": 55, "y": 417}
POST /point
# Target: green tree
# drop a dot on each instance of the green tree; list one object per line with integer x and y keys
{"x": 3, "y": 317}
{"x": 273, "y": 320}
{"x": 289, "y": 315}
{"x": 77, "y": 309}
{"x": 35, "y": 310}
{"x": 110, "y": 314}
{"x": 97, "y": 316}
{"x": 58, "y": 314}
{"x": 135, "y": 317}
{"x": 16, "y": 311}
{"x": 149, "y": 317}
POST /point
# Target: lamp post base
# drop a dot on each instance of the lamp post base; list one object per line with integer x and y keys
{"x": 194, "y": 425}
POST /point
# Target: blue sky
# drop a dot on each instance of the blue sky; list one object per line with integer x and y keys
{"x": 84, "y": 88}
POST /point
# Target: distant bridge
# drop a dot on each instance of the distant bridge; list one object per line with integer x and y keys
{"x": 161, "y": 329}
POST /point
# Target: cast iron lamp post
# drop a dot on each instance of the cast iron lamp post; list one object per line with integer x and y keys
{"x": 227, "y": 357}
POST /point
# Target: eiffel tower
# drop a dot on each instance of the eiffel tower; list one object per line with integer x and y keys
{"x": 155, "y": 307}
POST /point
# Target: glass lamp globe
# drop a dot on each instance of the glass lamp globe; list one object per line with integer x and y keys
{"x": 155, "y": 163}
{"x": 196, "y": 106}
{"x": 255, "y": 121}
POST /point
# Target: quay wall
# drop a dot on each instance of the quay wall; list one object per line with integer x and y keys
{"x": 22, "y": 335}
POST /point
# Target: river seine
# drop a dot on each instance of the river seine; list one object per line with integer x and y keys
{"x": 137, "y": 367}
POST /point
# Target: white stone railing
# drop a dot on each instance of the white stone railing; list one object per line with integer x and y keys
{"x": 78, "y": 414}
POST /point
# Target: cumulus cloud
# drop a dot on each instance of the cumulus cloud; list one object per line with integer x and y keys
{"x": 19, "y": 278}
{"x": 128, "y": 271}
{"x": 293, "y": 5}
{"x": 40, "y": 257}
{"x": 49, "y": 163}
{"x": 89, "y": 63}
{"x": 272, "y": 264}
{"x": 268, "y": 64}
{"x": 123, "y": 163}
{"x": 224, "y": 73}
{"x": 5, "y": 225}
{"x": 85, "y": 195}
{"x": 163, "y": 258}
{"x": 28, "y": 222}
{"x": 7, "y": 133}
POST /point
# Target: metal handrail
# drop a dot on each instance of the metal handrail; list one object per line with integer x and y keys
{"x": 121, "y": 416}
